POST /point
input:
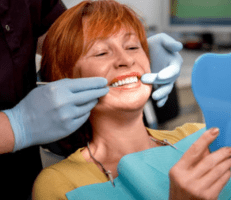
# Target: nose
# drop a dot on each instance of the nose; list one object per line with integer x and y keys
{"x": 123, "y": 59}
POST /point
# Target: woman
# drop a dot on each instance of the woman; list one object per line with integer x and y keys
{"x": 112, "y": 44}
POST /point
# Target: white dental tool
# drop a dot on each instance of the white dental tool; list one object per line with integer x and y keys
{"x": 44, "y": 83}
{"x": 41, "y": 83}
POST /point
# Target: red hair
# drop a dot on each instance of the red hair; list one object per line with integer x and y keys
{"x": 64, "y": 43}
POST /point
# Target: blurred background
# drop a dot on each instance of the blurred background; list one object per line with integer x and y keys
{"x": 203, "y": 26}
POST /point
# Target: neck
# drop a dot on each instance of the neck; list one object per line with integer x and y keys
{"x": 119, "y": 134}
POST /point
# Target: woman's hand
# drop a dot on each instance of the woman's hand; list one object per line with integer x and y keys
{"x": 200, "y": 174}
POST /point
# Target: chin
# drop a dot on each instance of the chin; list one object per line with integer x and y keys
{"x": 125, "y": 101}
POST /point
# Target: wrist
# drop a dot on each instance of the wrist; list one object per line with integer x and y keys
{"x": 7, "y": 135}
{"x": 18, "y": 130}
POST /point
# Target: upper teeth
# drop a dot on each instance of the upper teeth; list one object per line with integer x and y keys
{"x": 125, "y": 81}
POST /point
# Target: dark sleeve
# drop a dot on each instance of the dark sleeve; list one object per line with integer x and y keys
{"x": 51, "y": 10}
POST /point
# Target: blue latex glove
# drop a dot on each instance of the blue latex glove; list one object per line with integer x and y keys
{"x": 166, "y": 64}
{"x": 52, "y": 112}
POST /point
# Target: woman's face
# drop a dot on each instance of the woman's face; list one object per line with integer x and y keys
{"x": 122, "y": 61}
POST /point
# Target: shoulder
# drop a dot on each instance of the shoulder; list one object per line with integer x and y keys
{"x": 178, "y": 133}
{"x": 58, "y": 179}
{"x": 54, "y": 181}
{"x": 51, "y": 184}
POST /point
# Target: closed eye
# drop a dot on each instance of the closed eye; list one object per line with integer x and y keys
{"x": 133, "y": 48}
{"x": 101, "y": 54}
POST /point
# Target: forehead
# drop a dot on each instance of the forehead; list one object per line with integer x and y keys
{"x": 122, "y": 34}
{"x": 125, "y": 32}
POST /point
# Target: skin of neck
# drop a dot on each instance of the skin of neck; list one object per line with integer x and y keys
{"x": 118, "y": 133}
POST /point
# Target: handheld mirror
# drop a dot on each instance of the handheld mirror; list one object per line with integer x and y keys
{"x": 211, "y": 85}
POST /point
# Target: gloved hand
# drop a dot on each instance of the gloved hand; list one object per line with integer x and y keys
{"x": 165, "y": 66}
{"x": 52, "y": 112}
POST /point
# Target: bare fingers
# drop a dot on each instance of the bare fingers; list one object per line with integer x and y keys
{"x": 197, "y": 151}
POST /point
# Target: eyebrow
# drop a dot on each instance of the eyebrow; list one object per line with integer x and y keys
{"x": 130, "y": 34}
{"x": 126, "y": 35}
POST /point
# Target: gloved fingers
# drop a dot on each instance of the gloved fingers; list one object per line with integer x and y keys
{"x": 89, "y": 95}
{"x": 78, "y": 115}
{"x": 78, "y": 122}
{"x": 171, "y": 44}
{"x": 149, "y": 78}
{"x": 85, "y": 108}
{"x": 168, "y": 74}
{"x": 162, "y": 91}
{"x": 161, "y": 102}
{"x": 82, "y": 84}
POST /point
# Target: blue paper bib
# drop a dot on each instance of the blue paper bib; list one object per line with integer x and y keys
{"x": 143, "y": 175}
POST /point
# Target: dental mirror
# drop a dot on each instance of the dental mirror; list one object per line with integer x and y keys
{"x": 211, "y": 85}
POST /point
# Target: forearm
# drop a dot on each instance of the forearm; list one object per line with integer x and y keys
{"x": 6, "y": 135}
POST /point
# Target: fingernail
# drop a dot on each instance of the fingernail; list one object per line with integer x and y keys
{"x": 214, "y": 131}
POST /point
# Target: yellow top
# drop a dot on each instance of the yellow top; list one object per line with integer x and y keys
{"x": 57, "y": 180}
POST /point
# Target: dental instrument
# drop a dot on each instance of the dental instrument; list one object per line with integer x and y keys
{"x": 45, "y": 83}
{"x": 41, "y": 83}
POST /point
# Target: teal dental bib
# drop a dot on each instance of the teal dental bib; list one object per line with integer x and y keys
{"x": 143, "y": 175}
{"x": 211, "y": 85}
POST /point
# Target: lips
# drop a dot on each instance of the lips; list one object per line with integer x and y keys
{"x": 123, "y": 77}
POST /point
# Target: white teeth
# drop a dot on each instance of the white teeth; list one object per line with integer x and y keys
{"x": 125, "y": 81}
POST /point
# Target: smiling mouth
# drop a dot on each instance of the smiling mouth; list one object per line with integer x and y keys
{"x": 126, "y": 81}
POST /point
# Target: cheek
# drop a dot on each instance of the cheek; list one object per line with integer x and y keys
{"x": 148, "y": 67}
{"x": 143, "y": 61}
{"x": 125, "y": 101}
{"x": 91, "y": 69}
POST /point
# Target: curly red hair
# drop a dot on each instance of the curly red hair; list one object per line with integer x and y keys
{"x": 65, "y": 41}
